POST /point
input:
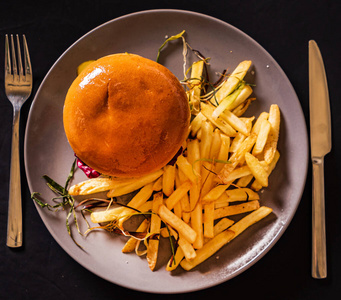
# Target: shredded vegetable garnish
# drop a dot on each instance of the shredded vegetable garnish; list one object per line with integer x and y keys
{"x": 172, "y": 38}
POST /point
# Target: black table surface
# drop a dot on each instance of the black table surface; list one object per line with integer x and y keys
{"x": 42, "y": 269}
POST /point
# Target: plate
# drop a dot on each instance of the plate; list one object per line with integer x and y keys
{"x": 48, "y": 152}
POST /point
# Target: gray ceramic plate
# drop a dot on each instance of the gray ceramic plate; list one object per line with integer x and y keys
{"x": 47, "y": 150}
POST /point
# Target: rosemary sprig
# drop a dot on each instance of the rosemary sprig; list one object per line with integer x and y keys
{"x": 66, "y": 200}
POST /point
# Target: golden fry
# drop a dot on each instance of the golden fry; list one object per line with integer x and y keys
{"x": 168, "y": 180}
{"x": 179, "y": 225}
{"x": 211, "y": 247}
{"x": 262, "y": 137}
{"x": 155, "y": 225}
{"x": 236, "y": 209}
{"x": 209, "y": 220}
{"x": 271, "y": 144}
{"x": 257, "y": 169}
{"x": 237, "y": 157}
{"x": 233, "y": 80}
{"x": 176, "y": 196}
{"x": 139, "y": 183}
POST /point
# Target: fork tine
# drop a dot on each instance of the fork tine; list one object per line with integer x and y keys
{"x": 8, "y": 64}
{"x": 14, "y": 60}
{"x": 28, "y": 67}
{"x": 21, "y": 72}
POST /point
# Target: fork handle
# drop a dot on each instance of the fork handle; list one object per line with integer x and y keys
{"x": 14, "y": 224}
{"x": 319, "y": 259}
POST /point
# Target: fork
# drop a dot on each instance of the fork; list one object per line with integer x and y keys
{"x": 18, "y": 87}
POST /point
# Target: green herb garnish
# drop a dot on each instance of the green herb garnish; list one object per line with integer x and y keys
{"x": 66, "y": 200}
{"x": 172, "y": 38}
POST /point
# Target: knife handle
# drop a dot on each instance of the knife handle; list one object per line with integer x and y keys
{"x": 319, "y": 259}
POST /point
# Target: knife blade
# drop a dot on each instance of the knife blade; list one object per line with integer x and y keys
{"x": 320, "y": 143}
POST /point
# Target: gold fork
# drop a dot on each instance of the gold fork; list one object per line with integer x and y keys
{"x": 18, "y": 87}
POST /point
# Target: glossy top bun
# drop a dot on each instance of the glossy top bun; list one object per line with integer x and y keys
{"x": 126, "y": 115}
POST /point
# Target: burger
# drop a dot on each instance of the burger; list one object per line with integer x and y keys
{"x": 126, "y": 116}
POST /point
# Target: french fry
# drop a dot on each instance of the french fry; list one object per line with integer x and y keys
{"x": 142, "y": 181}
{"x": 235, "y": 159}
{"x": 221, "y": 204}
{"x": 209, "y": 180}
{"x": 96, "y": 185}
{"x": 132, "y": 242}
{"x": 241, "y": 194}
{"x": 237, "y": 124}
{"x": 187, "y": 248}
{"x": 244, "y": 181}
{"x": 222, "y": 225}
{"x": 157, "y": 186}
{"x": 107, "y": 215}
{"x": 223, "y": 152}
{"x": 248, "y": 122}
{"x": 123, "y": 212}
{"x": 243, "y": 96}
{"x": 222, "y": 201}
{"x": 193, "y": 157}
{"x": 226, "y": 102}
{"x": 216, "y": 144}
{"x": 168, "y": 180}
{"x": 256, "y": 185}
{"x": 207, "y": 111}
{"x": 139, "y": 201}
{"x": 237, "y": 209}
{"x": 199, "y": 134}
{"x": 215, "y": 193}
{"x": 207, "y": 163}
{"x": 187, "y": 168}
{"x": 209, "y": 220}
{"x": 242, "y": 108}
{"x": 250, "y": 219}
{"x": 179, "y": 225}
{"x": 238, "y": 173}
{"x": 176, "y": 196}
{"x": 178, "y": 210}
{"x": 155, "y": 225}
{"x": 146, "y": 206}
{"x": 196, "y": 123}
{"x": 233, "y": 80}
{"x": 196, "y": 224}
{"x": 211, "y": 247}
{"x": 206, "y": 139}
{"x": 195, "y": 92}
{"x": 196, "y": 214}
{"x": 164, "y": 232}
{"x": 186, "y": 208}
{"x": 180, "y": 177}
{"x": 257, "y": 169}
{"x": 238, "y": 139}
{"x": 271, "y": 143}
{"x": 256, "y": 127}
{"x": 262, "y": 137}
{"x": 142, "y": 196}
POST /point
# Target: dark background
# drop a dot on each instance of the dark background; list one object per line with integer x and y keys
{"x": 41, "y": 269}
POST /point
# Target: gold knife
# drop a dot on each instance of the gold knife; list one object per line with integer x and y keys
{"x": 320, "y": 142}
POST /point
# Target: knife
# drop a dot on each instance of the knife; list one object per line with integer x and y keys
{"x": 320, "y": 142}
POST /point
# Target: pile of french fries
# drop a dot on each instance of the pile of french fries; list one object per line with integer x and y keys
{"x": 227, "y": 160}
